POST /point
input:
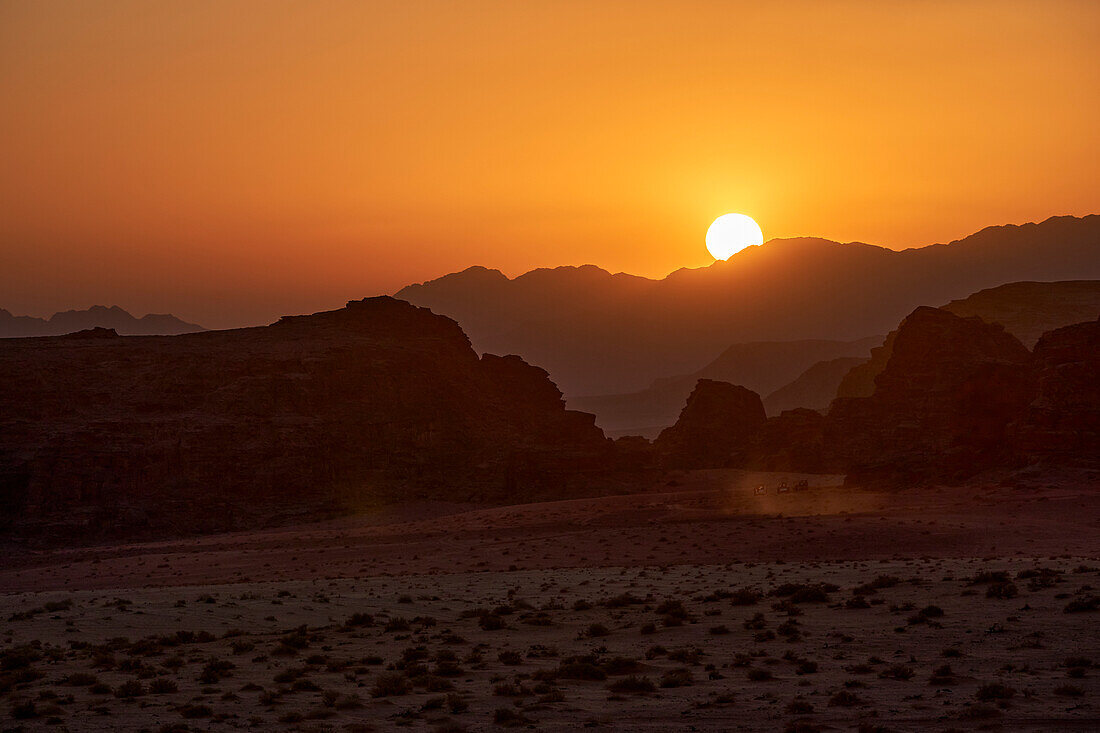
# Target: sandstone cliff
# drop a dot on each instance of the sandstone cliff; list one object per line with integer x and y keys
{"x": 312, "y": 414}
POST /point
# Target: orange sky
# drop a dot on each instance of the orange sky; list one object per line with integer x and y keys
{"x": 232, "y": 161}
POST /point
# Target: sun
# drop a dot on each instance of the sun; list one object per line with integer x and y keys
{"x": 731, "y": 233}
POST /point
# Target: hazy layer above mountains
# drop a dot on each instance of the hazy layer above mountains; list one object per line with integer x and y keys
{"x": 98, "y": 316}
{"x": 599, "y": 333}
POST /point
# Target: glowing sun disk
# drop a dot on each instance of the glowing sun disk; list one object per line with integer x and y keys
{"x": 731, "y": 233}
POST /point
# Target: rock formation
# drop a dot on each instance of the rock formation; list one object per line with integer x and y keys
{"x": 942, "y": 404}
{"x": 312, "y": 414}
{"x": 1062, "y": 425}
{"x": 714, "y": 428}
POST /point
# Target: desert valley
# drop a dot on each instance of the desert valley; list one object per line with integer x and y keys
{"x": 382, "y": 365}
{"x": 354, "y": 521}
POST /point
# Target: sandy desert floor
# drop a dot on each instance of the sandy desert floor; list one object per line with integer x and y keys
{"x": 697, "y": 608}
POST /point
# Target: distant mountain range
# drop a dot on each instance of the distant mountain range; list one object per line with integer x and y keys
{"x": 762, "y": 366}
{"x": 98, "y": 316}
{"x": 599, "y": 333}
{"x": 815, "y": 370}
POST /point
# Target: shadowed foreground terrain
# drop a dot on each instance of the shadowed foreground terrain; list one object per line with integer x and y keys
{"x": 701, "y": 607}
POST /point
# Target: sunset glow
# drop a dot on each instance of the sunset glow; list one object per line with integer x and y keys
{"x": 731, "y": 233}
{"x": 231, "y": 162}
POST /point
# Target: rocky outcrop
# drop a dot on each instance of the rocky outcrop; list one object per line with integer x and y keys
{"x": 941, "y": 406}
{"x": 313, "y": 414}
{"x": 1027, "y": 310}
{"x": 1062, "y": 425}
{"x": 714, "y": 428}
{"x": 792, "y": 441}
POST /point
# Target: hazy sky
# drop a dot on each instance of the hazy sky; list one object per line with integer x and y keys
{"x": 232, "y": 161}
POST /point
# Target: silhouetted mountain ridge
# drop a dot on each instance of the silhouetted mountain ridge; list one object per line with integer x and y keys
{"x": 598, "y": 333}
{"x": 98, "y": 316}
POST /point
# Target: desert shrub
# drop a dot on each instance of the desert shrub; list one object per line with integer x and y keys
{"x": 989, "y": 576}
{"x": 596, "y": 630}
{"x": 130, "y": 688}
{"x": 214, "y": 670}
{"x": 581, "y": 605}
{"x": 789, "y": 629}
{"x": 931, "y": 612}
{"x": 677, "y": 678}
{"x": 395, "y": 624}
{"x": 511, "y": 658}
{"x": 756, "y": 674}
{"x": 80, "y": 679}
{"x": 620, "y": 665}
{"x": 672, "y": 608}
{"x": 491, "y": 622}
{"x": 979, "y": 712}
{"x": 1083, "y": 605}
{"x": 856, "y": 602}
{"x": 844, "y": 699}
{"x": 579, "y": 670}
{"x": 799, "y": 707}
{"x": 1003, "y": 591}
{"x": 719, "y": 630}
{"x": 686, "y": 655}
{"x": 942, "y": 675}
{"x": 994, "y": 691}
{"x": 163, "y": 686}
{"x": 647, "y": 629}
{"x": 810, "y": 594}
{"x": 507, "y": 689}
{"x": 745, "y": 597}
{"x": 455, "y": 704}
{"x": 240, "y": 646}
{"x": 290, "y": 674}
{"x": 447, "y": 668}
{"x": 390, "y": 684}
{"x": 897, "y": 672}
{"x": 632, "y": 685}
{"x": 806, "y": 667}
{"x": 24, "y": 710}
{"x": 509, "y": 718}
{"x": 622, "y": 600}
{"x": 1069, "y": 691}
{"x": 19, "y": 657}
{"x": 756, "y": 622}
{"x": 552, "y": 695}
{"x": 882, "y": 581}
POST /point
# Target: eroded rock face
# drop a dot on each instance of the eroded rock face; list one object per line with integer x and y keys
{"x": 312, "y": 414}
{"x": 1062, "y": 425}
{"x": 714, "y": 428}
{"x": 941, "y": 406}
{"x": 792, "y": 441}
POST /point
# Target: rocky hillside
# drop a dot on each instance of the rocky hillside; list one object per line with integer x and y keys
{"x": 313, "y": 414}
{"x": 815, "y": 388}
{"x": 956, "y": 396}
{"x": 1027, "y": 310}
